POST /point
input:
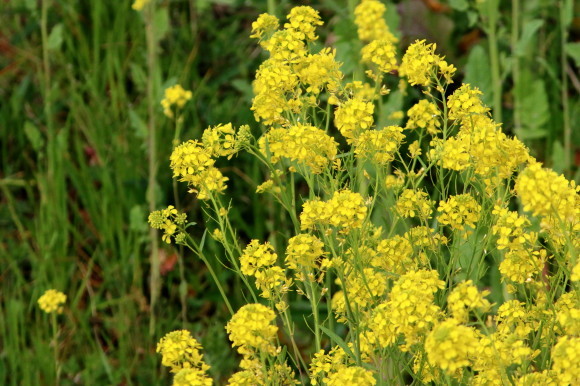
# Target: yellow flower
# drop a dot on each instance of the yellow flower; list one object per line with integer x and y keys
{"x": 220, "y": 140}
{"x": 138, "y": 5}
{"x": 379, "y": 146}
{"x": 419, "y": 62}
{"x": 302, "y": 143}
{"x": 251, "y": 329}
{"x": 175, "y": 96}
{"x": 413, "y": 203}
{"x": 168, "y": 220}
{"x": 52, "y": 301}
{"x": 354, "y": 116}
{"x": 459, "y": 211}
{"x": 257, "y": 256}
{"x": 450, "y": 346}
{"x": 345, "y": 210}
{"x": 371, "y": 23}
{"x": 192, "y": 377}
{"x": 181, "y": 351}
{"x": 464, "y": 298}
{"x": 566, "y": 360}
{"x": 351, "y": 376}
{"x": 318, "y": 71}
{"x": 424, "y": 115}
{"x": 302, "y": 23}
{"x": 264, "y": 26}
{"x": 304, "y": 252}
{"x": 380, "y": 53}
{"x": 465, "y": 102}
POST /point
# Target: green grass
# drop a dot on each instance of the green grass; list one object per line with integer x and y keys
{"x": 74, "y": 159}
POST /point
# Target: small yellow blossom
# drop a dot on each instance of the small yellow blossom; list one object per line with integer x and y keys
{"x": 371, "y": 22}
{"x": 465, "y": 102}
{"x": 354, "y": 116}
{"x": 464, "y": 298}
{"x": 380, "y": 53}
{"x": 419, "y": 62}
{"x": 52, "y": 301}
{"x": 424, "y": 115}
{"x": 264, "y": 26}
{"x": 414, "y": 203}
{"x": 138, "y": 5}
{"x": 251, "y": 329}
{"x": 175, "y": 96}
{"x": 351, "y": 376}
{"x": 181, "y": 351}
{"x": 450, "y": 346}
{"x": 257, "y": 256}
{"x": 302, "y": 23}
{"x": 459, "y": 211}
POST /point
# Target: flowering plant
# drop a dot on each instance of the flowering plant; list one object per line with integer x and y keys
{"x": 398, "y": 232}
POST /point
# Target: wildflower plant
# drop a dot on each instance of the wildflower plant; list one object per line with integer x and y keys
{"x": 405, "y": 242}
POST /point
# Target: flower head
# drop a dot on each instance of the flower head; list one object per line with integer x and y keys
{"x": 52, "y": 301}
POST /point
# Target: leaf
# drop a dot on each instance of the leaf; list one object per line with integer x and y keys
{"x": 393, "y": 104}
{"x": 55, "y": 38}
{"x": 558, "y": 157}
{"x": 338, "y": 340}
{"x": 573, "y": 51}
{"x": 477, "y": 73}
{"x": 459, "y": 5}
{"x": 529, "y": 31}
{"x": 34, "y": 136}
{"x": 161, "y": 22}
{"x": 534, "y": 107}
{"x": 567, "y": 13}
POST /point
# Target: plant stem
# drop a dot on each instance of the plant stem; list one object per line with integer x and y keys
{"x": 55, "y": 342}
{"x": 516, "y": 62}
{"x": 565, "y": 101}
{"x": 152, "y": 144}
{"x": 494, "y": 58}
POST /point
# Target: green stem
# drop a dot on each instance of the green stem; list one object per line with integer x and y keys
{"x": 152, "y": 144}
{"x": 494, "y": 57}
{"x": 565, "y": 101}
{"x": 55, "y": 343}
{"x": 217, "y": 282}
{"x": 516, "y": 61}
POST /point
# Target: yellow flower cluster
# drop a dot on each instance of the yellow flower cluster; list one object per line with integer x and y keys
{"x": 305, "y": 144}
{"x": 291, "y": 78}
{"x": 379, "y": 146}
{"x": 459, "y": 211}
{"x": 264, "y": 26}
{"x": 304, "y": 252}
{"x": 189, "y": 377}
{"x": 413, "y": 203}
{"x": 395, "y": 255}
{"x": 258, "y": 260}
{"x": 52, "y": 301}
{"x": 354, "y": 116}
{"x": 351, "y": 376}
{"x": 169, "y": 220}
{"x": 346, "y": 210}
{"x": 302, "y": 23}
{"x": 545, "y": 193}
{"x": 194, "y": 164}
{"x": 450, "y": 345}
{"x": 138, "y": 5}
{"x": 221, "y": 140}
{"x": 175, "y": 96}
{"x": 181, "y": 351}
{"x": 369, "y": 18}
{"x": 424, "y": 115}
{"x": 420, "y": 64}
{"x": 252, "y": 331}
{"x": 465, "y": 298}
{"x": 410, "y": 310}
{"x": 380, "y": 53}
{"x": 465, "y": 102}
{"x": 566, "y": 360}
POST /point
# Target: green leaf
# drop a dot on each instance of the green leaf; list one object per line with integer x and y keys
{"x": 477, "y": 73}
{"x": 34, "y": 136}
{"x": 558, "y": 157}
{"x": 529, "y": 31}
{"x": 573, "y": 51}
{"x": 394, "y": 103}
{"x": 161, "y": 22}
{"x": 338, "y": 340}
{"x": 567, "y": 13}
{"x": 55, "y": 38}
{"x": 534, "y": 107}
{"x": 459, "y": 5}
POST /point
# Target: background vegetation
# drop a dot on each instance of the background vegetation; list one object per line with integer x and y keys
{"x": 76, "y": 82}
